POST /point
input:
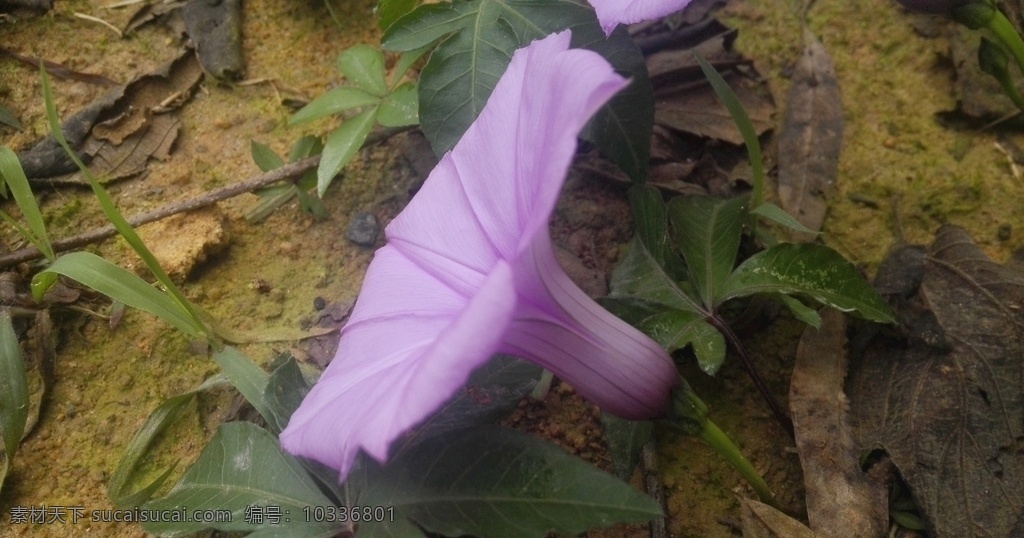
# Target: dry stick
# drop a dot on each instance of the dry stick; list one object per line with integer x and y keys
{"x": 652, "y": 483}
{"x": 274, "y": 176}
{"x": 209, "y": 198}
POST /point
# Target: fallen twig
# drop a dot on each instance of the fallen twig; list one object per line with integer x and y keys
{"x": 98, "y": 20}
{"x": 209, "y": 198}
{"x": 652, "y": 483}
{"x": 58, "y": 70}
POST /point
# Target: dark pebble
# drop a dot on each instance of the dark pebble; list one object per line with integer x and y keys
{"x": 1005, "y": 232}
{"x": 362, "y": 229}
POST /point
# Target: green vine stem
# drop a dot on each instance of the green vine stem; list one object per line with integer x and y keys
{"x": 755, "y": 375}
{"x": 717, "y": 439}
{"x": 690, "y": 416}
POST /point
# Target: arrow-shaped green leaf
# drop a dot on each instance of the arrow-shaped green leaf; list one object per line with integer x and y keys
{"x": 808, "y": 269}
{"x": 677, "y": 329}
{"x": 639, "y": 276}
{"x": 708, "y": 231}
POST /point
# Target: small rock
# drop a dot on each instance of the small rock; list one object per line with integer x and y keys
{"x": 288, "y": 248}
{"x": 260, "y": 285}
{"x": 183, "y": 241}
{"x": 266, "y": 126}
{"x": 362, "y": 229}
{"x": 1005, "y": 232}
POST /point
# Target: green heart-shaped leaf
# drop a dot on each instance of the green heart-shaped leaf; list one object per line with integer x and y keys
{"x": 500, "y": 483}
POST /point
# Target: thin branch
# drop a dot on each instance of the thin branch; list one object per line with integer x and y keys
{"x": 652, "y": 483}
{"x": 287, "y": 171}
{"x": 754, "y": 374}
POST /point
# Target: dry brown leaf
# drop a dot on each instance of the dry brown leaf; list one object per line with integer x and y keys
{"x": 811, "y": 136}
{"x": 698, "y": 110}
{"x": 763, "y": 521}
{"x": 669, "y": 176}
{"x": 130, "y": 158}
{"x": 685, "y": 102}
{"x": 841, "y": 500}
{"x": 216, "y": 30}
{"x": 121, "y": 131}
{"x": 676, "y": 68}
{"x": 949, "y": 408}
{"x": 149, "y": 12}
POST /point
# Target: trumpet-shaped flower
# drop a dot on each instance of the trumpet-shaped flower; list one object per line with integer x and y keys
{"x": 613, "y": 12}
{"x": 469, "y": 271}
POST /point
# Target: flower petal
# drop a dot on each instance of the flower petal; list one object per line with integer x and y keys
{"x": 500, "y": 182}
{"x": 441, "y": 297}
{"x": 410, "y": 344}
{"x": 608, "y": 361}
{"x": 613, "y": 12}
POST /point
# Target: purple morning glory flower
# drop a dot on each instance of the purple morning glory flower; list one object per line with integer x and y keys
{"x": 613, "y": 12}
{"x": 469, "y": 271}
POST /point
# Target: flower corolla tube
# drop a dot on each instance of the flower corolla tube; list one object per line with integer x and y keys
{"x": 611, "y": 13}
{"x": 469, "y": 271}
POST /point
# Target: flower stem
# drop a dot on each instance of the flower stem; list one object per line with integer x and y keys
{"x": 1011, "y": 91}
{"x": 543, "y": 386}
{"x": 690, "y": 416}
{"x": 754, "y": 374}
{"x": 717, "y": 439}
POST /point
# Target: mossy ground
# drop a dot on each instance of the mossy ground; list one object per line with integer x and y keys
{"x": 108, "y": 380}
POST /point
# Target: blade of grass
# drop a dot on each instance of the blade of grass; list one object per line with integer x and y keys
{"x": 405, "y": 62}
{"x": 735, "y": 108}
{"x": 14, "y": 177}
{"x": 161, "y": 417}
{"x": 7, "y": 118}
{"x": 110, "y": 210}
{"x": 120, "y": 285}
{"x": 13, "y": 392}
{"x": 247, "y": 377}
{"x": 19, "y": 229}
